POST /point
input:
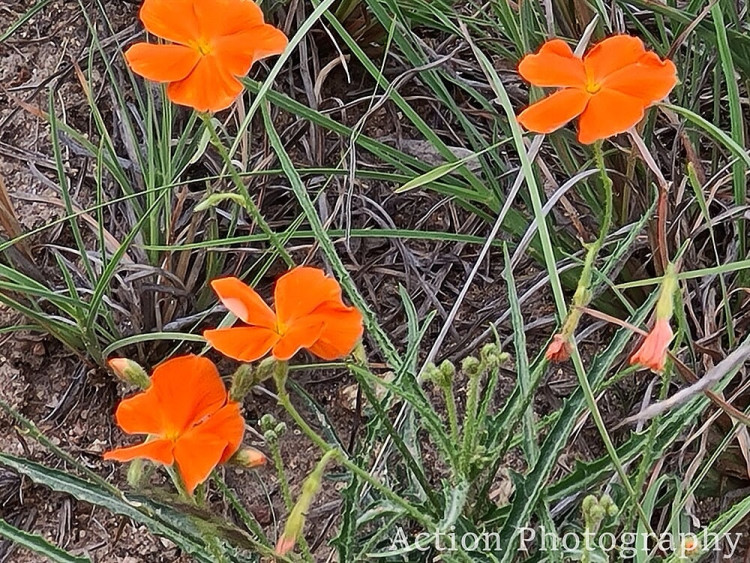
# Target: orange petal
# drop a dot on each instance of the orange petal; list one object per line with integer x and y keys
{"x": 162, "y": 63}
{"x": 269, "y": 41}
{"x": 342, "y": 330}
{"x": 554, "y": 111}
{"x": 244, "y": 302}
{"x": 141, "y": 414}
{"x": 230, "y": 425}
{"x": 245, "y": 343}
{"x": 210, "y": 87}
{"x": 301, "y": 290}
{"x": 301, "y": 334}
{"x": 554, "y": 65}
{"x": 225, "y": 17}
{"x": 188, "y": 388}
{"x": 237, "y": 51}
{"x": 174, "y": 20}
{"x": 196, "y": 456}
{"x": 608, "y": 113}
{"x": 204, "y": 446}
{"x": 611, "y": 55}
{"x": 240, "y": 50}
{"x": 159, "y": 451}
{"x": 649, "y": 79}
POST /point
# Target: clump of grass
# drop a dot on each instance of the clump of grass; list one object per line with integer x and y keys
{"x": 170, "y": 195}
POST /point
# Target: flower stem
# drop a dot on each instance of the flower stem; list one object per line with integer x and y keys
{"x": 607, "y": 186}
{"x": 180, "y": 485}
{"x": 280, "y": 375}
{"x": 252, "y": 209}
{"x": 450, "y": 407}
{"x": 588, "y": 392}
{"x": 582, "y": 296}
{"x": 278, "y": 464}
{"x": 470, "y": 425}
{"x": 286, "y": 493}
{"x": 248, "y": 519}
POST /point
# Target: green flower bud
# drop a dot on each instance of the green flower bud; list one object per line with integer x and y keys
{"x": 441, "y": 376}
{"x": 596, "y": 514}
{"x": 272, "y": 429}
{"x": 588, "y": 503}
{"x": 264, "y": 371}
{"x": 359, "y": 354}
{"x": 431, "y": 373}
{"x": 130, "y": 372}
{"x": 489, "y": 354}
{"x": 267, "y": 422}
{"x": 471, "y": 366}
{"x": 280, "y": 371}
{"x": 606, "y": 501}
{"x": 690, "y": 545}
{"x": 215, "y": 199}
{"x": 242, "y": 382}
{"x": 135, "y": 473}
{"x": 448, "y": 370}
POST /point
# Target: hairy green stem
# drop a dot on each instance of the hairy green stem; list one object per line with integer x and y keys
{"x": 248, "y": 519}
{"x": 450, "y": 407}
{"x": 582, "y": 296}
{"x": 250, "y": 205}
{"x": 285, "y": 401}
{"x": 180, "y": 485}
{"x": 278, "y": 463}
{"x": 470, "y": 425}
{"x": 582, "y": 379}
{"x": 286, "y": 493}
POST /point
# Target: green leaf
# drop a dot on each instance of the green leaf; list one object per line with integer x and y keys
{"x": 179, "y": 526}
{"x": 735, "y": 117}
{"x": 530, "y": 492}
{"x": 151, "y": 336}
{"x": 38, "y": 544}
{"x": 442, "y": 170}
{"x": 713, "y": 131}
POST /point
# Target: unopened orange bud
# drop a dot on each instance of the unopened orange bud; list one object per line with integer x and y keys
{"x": 249, "y": 458}
{"x": 559, "y": 349}
{"x": 130, "y": 372}
{"x": 689, "y": 545}
{"x": 285, "y": 545}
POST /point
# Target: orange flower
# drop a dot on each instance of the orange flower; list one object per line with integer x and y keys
{"x": 309, "y": 314}
{"x": 558, "y": 350}
{"x": 653, "y": 351}
{"x": 213, "y": 43}
{"x": 609, "y": 88}
{"x": 188, "y": 419}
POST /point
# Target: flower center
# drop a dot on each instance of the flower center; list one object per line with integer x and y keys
{"x": 592, "y": 87}
{"x": 202, "y": 46}
{"x": 280, "y": 328}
